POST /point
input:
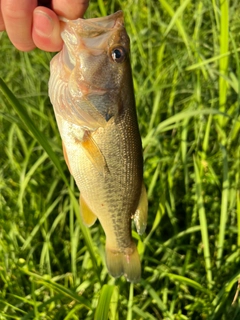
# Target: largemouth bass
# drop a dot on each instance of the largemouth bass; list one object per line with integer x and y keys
{"x": 91, "y": 91}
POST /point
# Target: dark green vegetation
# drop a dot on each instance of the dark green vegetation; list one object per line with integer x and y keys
{"x": 185, "y": 58}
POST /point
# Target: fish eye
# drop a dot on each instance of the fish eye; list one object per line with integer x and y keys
{"x": 118, "y": 54}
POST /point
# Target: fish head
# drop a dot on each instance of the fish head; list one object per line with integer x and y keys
{"x": 96, "y": 52}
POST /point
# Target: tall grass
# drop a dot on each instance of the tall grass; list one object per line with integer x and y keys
{"x": 185, "y": 59}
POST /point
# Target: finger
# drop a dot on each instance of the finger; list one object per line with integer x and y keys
{"x": 17, "y": 16}
{"x": 70, "y": 9}
{"x": 2, "y": 27}
{"x": 46, "y": 30}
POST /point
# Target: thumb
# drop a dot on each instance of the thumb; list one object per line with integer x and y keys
{"x": 46, "y": 30}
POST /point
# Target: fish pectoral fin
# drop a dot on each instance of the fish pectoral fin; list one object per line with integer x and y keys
{"x": 125, "y": 263}
{"x": 140, "y": 216}
{"x": 88, "y": 216}
{"x": 94, "y": 154}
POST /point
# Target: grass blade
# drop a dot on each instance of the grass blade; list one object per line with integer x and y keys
{"x": 102, "y": 311}
{"x": 224, "y": 46}
{"x": 224, "y": 209}
{"x": 177, "y": 118}
{"x": 188, "y": 282}
{"x": 130, "y": 302}
{"x": 32, "y": 127}
{"x": 178, "y": 22}
{"x": 203, "y": 225}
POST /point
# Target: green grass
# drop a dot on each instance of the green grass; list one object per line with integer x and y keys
{"x": 185, "y": 59}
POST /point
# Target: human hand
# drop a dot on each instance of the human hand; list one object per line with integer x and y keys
{"x": 32, "y": 23}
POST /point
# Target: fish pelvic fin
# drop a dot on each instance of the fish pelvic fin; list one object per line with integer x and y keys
{"x": 94, "y": 154}
{"x": 140, "y": 216}
{"x": 66, "y": 156}
{"x": 125, "y": 263}
{"x": 88, "y": 216}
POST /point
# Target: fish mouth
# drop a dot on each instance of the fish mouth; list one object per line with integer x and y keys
{"x": 85, "y": 39}
{"x": 114, "y": 20}
{"x": 90, "y": 34}
{"x": 97, "y": 24}
{"x": 91, "y": 28}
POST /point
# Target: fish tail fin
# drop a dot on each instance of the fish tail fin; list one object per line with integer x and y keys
{"x": 125, "y": 263}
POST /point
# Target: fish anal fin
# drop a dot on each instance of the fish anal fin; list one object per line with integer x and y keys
{"x": 88, "y": 216}
{"x": 125, "y": 263}
{"x": 66, "y": 156}
{"x": 140, "y": 216}
{"x": 94, "y": 153}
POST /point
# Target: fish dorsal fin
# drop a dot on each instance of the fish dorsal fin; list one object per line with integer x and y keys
{"x": 140, "y": 216}
{"x": 88, "y": 216}
{"x": 94, "y": 154}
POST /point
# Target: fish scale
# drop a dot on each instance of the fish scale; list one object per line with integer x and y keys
{"x": 91, "y": 91}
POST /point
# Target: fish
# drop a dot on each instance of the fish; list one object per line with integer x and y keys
{"x": 91, "y": 90}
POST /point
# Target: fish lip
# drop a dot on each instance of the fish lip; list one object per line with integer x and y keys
{"x": 100, "y": 22}
{"x": 91, "y": 28}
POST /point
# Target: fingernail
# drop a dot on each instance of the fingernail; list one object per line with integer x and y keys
{"x": 43, "y": 24}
